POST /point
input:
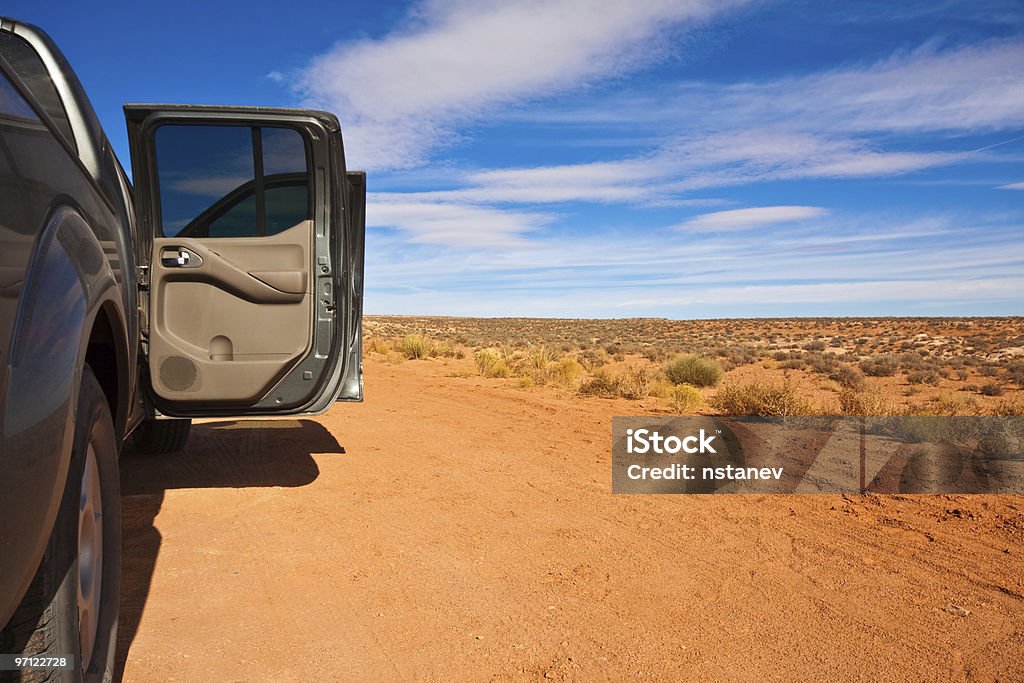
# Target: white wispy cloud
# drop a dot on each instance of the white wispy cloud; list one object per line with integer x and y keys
{"x": 930, "y": 89}
{"x": 746, "y": 219}
{"x": 682, "y": 166}
{"x": 403, "y": 94}
{"x": 1013, "y": 186}
{"x": 453, "y": 224}
{"x": 875, "y": 260}
{"x": 821, "y": 125}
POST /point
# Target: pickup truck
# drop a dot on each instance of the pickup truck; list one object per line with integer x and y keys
{"x": 223, "y": 280}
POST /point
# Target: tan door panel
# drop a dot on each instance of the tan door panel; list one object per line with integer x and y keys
{"x": 287, "y": 281}
{"x": 235, "y": 314}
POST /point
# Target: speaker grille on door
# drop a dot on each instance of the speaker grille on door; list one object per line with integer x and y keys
{"x": 178, "y": 373}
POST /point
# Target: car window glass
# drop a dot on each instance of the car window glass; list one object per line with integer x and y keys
{"x": 213, "y": 180}
{"x": 197, "y": 167}
{"x": 25, "y": 62}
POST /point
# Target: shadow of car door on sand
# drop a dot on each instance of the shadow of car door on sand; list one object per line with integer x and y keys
{"x": 244, "y": 454}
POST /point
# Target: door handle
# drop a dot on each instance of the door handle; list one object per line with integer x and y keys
{"x": 179, "y": 257}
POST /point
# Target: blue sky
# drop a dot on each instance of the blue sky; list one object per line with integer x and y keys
{"x": 686, "y": 159}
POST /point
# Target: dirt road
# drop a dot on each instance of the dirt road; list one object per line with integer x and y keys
{"x": 455, "y": 527}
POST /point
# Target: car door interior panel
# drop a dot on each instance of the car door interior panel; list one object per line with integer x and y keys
{"x": 229, "y": 328}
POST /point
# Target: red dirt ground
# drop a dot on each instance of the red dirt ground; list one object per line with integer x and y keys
{"x": 454, "y": 527}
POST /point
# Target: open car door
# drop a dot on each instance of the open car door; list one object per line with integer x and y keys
{"x": 252, "y": 233}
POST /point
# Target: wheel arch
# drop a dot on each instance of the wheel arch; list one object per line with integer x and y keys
{"x": 107, "y": 354}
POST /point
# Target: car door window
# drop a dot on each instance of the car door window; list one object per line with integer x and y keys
{"x": 29, "y": 67}
{"x": 231, "y": 181}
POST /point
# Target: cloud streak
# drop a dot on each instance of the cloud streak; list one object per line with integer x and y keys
{"x": 404, "y": 94}
{"x": 747, "y": 219}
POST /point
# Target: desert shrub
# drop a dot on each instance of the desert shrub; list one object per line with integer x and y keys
{"x": 491, "y": 363}
{"x": 816, "y": 345}
{"x": 763, "y": 399}
{"x": 685, "y": 398}
{"x": 991, "y": 389}
{"x": 737, "y": 354}
{"x": 600, "y": 384}
{"x": 1013, "y": 408}
{"x": 694, "y": 370}
{"x": 822, "y": 363}
{"x": 847, "y": 376}
{"x": 535, "y": 365}
{"x": 378, "y": 345}
{"x": 635, "y": 382}
{"x": 912, "y": 361}
{"x": 880, "y": 366}
{"x": 662, "y": 388}
{"x": 591, "y": 359}
{"x": 793, "y": 364}
{"x": 924, "y": 377}
{"x": 1016, "y": 374}
{"x": 654, "y": 354}
{"x": 416, "y": 346}
{"x": 566, "y": 371}
{"x": 865, "y": 404}
{"x": 953, "y": 404}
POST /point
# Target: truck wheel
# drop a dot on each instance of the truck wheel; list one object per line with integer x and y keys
{"x": 71, "y": 607}
{"x": 156, "y": 437}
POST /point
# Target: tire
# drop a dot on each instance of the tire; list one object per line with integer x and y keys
{"x": 157, "y": 437}
{"x": 71, "y": 607}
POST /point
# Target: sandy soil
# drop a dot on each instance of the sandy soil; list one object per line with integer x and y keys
{"x": 455, "y": 527}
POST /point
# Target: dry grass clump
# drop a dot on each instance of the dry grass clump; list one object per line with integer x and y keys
{"x": 946, "y": 405}
{"x": 926, "y": 376}
{"x": 601, "y": 383}
{"x": 418, "y": 347}
{"x": 881, "y": 366}
{"x": 1016, "y": 374}
{"x": 1014, "y": 408}
{"x": 847, "y": 377}
{"x": 491, "y": 363}
{"x": 535, "y": 363}
{"x": 763, "y": 399}
{"x": 860, "y": 403}
{"x": 540, "y": 357}
{"x": 685, "y": 398}
{"x": 991, "y": 389}
{"x": 634, "y": 383}
{"x": 565, "y": 371}
{"x": 377, "y": 345}
{"x": 694, "y": 370}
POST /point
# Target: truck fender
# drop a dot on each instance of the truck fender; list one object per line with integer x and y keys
{"x": 68, "y": 283}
